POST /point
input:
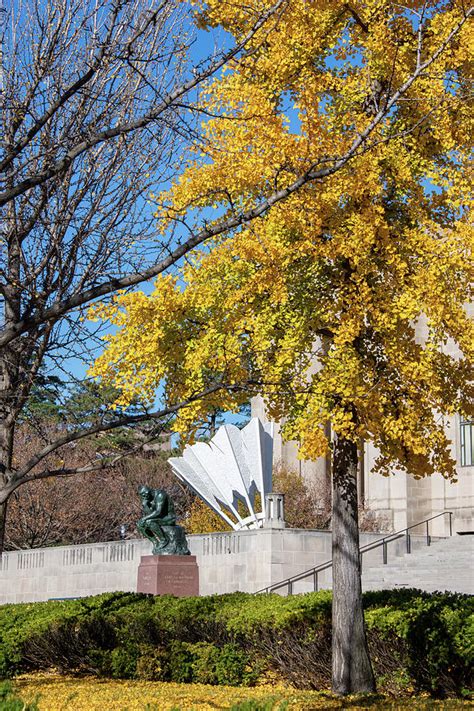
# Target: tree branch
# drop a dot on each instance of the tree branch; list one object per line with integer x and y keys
{"x": 121, "y": 129}
{"x": 122, "y": 421}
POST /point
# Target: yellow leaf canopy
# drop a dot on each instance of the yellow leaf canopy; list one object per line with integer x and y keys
{"x": 315, "y": 304}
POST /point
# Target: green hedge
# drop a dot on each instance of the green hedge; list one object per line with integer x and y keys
{"x": 418, "y": 641}
{"x": 9, "y": 701}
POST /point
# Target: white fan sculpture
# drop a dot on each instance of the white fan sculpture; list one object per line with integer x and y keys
{"x": 234, "y": 466}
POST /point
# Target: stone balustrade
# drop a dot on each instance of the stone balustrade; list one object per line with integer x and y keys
{"x": 246, "y": 560}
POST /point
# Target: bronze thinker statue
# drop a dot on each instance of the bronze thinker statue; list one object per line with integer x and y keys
{"x": 158, "y": 523}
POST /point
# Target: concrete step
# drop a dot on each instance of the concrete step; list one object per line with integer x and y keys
{"x": 447, "y": 564}
{"x": 401, "y": 566}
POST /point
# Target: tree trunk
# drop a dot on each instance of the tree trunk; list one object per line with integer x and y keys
{"x": 7, "y": 430}
{"x": 6, "y": 446}
{"x": 3, "y": 520}
{"x": 351, "y": 666}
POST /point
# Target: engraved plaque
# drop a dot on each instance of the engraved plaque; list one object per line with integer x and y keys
{"x": 168, "y": 575}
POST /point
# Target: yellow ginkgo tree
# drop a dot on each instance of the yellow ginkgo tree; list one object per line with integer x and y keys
{"x": 338, "y": 150}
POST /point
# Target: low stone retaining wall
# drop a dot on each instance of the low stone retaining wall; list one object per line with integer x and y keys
{"x": 244, "y": 560}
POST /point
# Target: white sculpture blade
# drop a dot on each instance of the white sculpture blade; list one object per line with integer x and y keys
{"x": 233, "y": 466}
{"x": 197, "y": 482}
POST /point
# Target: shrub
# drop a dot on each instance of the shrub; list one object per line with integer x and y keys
{"x": 307, "y": 504}
{"x": 233, "y": 667}
{"x": 418, "y": 641}
{"x": 153, "y": 664}
{"x": 202, "y": 519}
{"x": 434, "y": 635}
{"x": 123, "y": 661}
{"x": 299, "y": 654}
{"x": 205, "y": 663}
{"x": 57, "y": 633}
{"x": 10, "y": 702}
{"x": 181, "y": 662}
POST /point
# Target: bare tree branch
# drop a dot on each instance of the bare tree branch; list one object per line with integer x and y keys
{"x": 21, "y": 476}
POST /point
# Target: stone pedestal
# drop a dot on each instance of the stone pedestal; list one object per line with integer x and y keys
{"x": 168, "y": 575}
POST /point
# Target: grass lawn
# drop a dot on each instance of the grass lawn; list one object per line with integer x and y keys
{"x": 57, "y": 693}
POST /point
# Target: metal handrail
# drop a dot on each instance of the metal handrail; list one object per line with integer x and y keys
{"x": 384, "y": 541}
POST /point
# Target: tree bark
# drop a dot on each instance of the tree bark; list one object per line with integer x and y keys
{"x": 6, "y": 446}
{"x": 3, "y": 520}
{"x": 351, "y": 665}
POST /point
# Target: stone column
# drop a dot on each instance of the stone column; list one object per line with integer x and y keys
{"x": 274, "y": 511}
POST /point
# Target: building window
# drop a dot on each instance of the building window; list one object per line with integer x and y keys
{"x": 467, "y": 442}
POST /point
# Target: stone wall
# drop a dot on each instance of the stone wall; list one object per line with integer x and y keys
{"x": 244, "y": 560}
